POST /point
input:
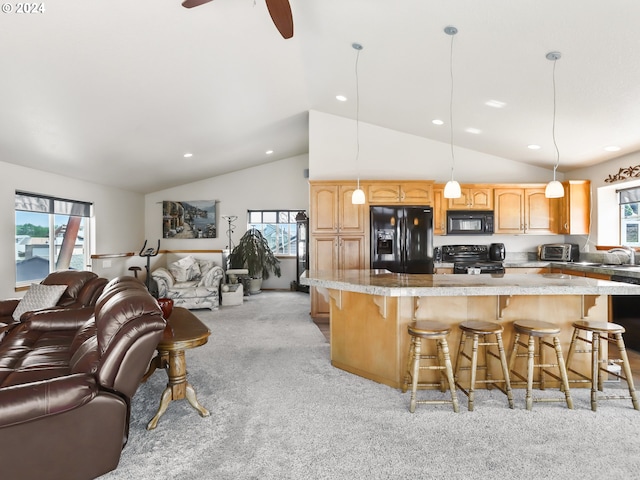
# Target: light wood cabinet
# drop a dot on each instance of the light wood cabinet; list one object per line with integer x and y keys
{"x": 473, "y": 197}
{"x": 439, "y": 211}
{"x": 522, "y": 210}
{"x": 338, "y": 231}
{"x": 331, "y": 210}
{"x": 400, "y": 193}
{"x": 330, "y": 253}
{"x": 573, "y": 211}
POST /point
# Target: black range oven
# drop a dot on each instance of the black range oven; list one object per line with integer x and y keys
{"x": 471, "y": 259}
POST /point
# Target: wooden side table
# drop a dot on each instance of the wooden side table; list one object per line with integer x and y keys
{"x": 184, "y": 330}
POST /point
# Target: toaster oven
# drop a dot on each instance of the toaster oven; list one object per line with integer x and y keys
{"x": 559, "y": 252}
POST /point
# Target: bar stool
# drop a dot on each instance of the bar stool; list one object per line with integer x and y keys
{"x": 537, "y": 332}
{"x": 437, "y": 331}
{"x": 475, "y": 330}
{"x": 612, "y": 334}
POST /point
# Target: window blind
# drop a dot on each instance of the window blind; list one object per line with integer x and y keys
{"x": 31, "y": 202}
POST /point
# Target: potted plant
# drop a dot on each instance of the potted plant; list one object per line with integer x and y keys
{"x": 253, "y": 253}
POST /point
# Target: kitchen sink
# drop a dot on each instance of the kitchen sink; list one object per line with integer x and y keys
{"x": 604, "y": 265}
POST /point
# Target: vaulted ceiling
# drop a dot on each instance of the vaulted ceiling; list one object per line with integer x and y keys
{"x": 117, "y": 91}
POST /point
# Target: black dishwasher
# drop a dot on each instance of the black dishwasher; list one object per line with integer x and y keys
{"x": 625, "y": 311}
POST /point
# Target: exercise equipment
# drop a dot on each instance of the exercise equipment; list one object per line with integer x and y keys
{"x": 147, "y": 253}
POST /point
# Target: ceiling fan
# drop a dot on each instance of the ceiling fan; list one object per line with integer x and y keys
{"x": 280, "y": 12}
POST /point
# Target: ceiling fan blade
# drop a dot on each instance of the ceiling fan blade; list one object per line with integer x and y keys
{"x": 280, "y": 12}
{"x": 194, "y": 3}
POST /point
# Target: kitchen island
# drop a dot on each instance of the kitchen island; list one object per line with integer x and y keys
{"x": 370, "y": 310}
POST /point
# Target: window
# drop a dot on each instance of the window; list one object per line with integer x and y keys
{"x": 629, "y": 200}
{"x": 51, "y": 234}
{"x": 278, "y": 227}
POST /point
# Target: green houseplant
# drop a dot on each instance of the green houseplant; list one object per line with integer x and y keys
{"x": 253, "y": 253}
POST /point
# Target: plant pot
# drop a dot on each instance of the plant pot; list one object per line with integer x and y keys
{"x": 255, "y": 284}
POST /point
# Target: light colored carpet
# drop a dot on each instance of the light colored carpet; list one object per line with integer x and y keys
{"x": 279, "y": 410}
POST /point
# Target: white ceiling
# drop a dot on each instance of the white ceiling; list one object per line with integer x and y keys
{"x": 116, "y": 91}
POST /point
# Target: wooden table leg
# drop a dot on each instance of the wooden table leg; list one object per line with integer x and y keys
{"x": 177, "y": 386}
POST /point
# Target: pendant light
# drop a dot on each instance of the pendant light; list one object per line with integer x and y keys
{"x": 554, "y": 188}
{"x": 452, "y": 187}
{"x": 357, "y": 198}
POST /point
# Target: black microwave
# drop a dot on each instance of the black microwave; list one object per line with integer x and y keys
{"x": 469, "y": 222}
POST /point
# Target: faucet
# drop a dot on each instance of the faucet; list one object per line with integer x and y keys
{"x": 628, "y": 250}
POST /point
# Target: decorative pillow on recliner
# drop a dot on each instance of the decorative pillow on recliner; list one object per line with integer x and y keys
{"x": 38, "y": 297}
{"x": 185, "y": 269}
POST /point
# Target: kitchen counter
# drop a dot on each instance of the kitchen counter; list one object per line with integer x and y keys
{"x": 382, "y": 282}
{"x": 371, "y": 309}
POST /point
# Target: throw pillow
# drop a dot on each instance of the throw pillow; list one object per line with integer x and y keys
{"x": 185, "y": 269}
{"x": 38, "y": 297}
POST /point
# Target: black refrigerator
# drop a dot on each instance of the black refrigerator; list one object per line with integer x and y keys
{"x": 402, "y": 239}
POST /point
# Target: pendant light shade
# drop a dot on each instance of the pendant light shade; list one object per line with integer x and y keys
{"x": 452, "y": 188}
{"x": 357, "y": 198}
{"x": 554, "y": 188}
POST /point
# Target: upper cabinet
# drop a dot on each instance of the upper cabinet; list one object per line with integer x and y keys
{"x": 407, "y": 193}
{"x": 573, "y": 210}
{"x": 522, "y": 210}
{"x": 331, "y": 210}
{"x": 474, "y": 197}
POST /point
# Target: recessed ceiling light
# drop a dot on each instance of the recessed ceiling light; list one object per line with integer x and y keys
{"x": 495, "y": 104}
{"x": 269, "y": 152}
{"x": 533, "y": 147}
{"x": 437, "y": 121}
{"x": 612, "y": 148}
{"x": 475, "y": 131}
{"x": 188, "y": 155}
{"x": 341, "y": 98}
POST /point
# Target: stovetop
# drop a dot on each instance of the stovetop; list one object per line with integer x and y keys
{"x": 465, "y": 253}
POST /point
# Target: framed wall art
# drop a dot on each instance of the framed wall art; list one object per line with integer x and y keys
{"x": 189, "y": 219}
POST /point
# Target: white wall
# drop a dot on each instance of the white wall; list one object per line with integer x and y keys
{"x": 388, "y": 154}
{"x": 117, "y": 221}
{"x": 276, "y": 185}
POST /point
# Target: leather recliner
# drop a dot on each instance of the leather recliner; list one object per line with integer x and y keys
{"x": 83, "y": 290}
{"x": 66, "y": 381}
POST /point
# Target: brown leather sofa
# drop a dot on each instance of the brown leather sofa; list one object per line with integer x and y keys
{"x": 83, "y": 290}
{"x": 66, "y": 380}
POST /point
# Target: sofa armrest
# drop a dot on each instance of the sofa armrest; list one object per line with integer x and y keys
{"x": 31, "y": 401}
{"x": 212, "y": 278}
{"x": 164, "y": 279}
{"x": 60, "y": 319}
{"x": 8, "y": 306}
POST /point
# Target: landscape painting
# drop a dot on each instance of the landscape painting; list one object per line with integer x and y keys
{"x": 192, "y": 219}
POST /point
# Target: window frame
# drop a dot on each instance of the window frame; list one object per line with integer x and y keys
{"x": 292, "y": 227}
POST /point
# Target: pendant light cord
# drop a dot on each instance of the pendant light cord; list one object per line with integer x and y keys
{"x": 453, "y": 158}
{"x": 357, "y": 115}
{"x": 553, "y": 127}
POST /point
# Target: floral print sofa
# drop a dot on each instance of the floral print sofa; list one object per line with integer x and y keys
{"x": 190, "y": 282}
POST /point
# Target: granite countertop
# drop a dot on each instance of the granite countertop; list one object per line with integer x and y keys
{"x": 384, "y": 283}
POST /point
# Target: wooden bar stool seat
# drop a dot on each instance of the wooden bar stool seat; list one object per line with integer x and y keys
{"x": 538, "y": 333}
{"x": 440, "y": 361}
{"x": 475, "y": 329}
{"x": 601, "y": 332}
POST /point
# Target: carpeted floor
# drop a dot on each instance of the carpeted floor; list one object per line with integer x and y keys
{"x": 279, "y": 410}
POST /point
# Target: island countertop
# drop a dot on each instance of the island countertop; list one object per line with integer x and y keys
{"x": 385, "y": 283}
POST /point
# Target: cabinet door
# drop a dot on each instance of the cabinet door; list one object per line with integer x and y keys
{"x": 351, "y": 252}
{"x": 538, "y": 217}
{"x": 323, "y": 211}
{"x": 382, "y": 194}
{"x": 473, "y": 198}
{"x": 416, "y": 194}
{"x": 573, "y": 210}
{"x": 351, "y": 217}
{"x": 323, "y": 256}
{"x": 439, "y": 211}
{"x": 509, "y": 210}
